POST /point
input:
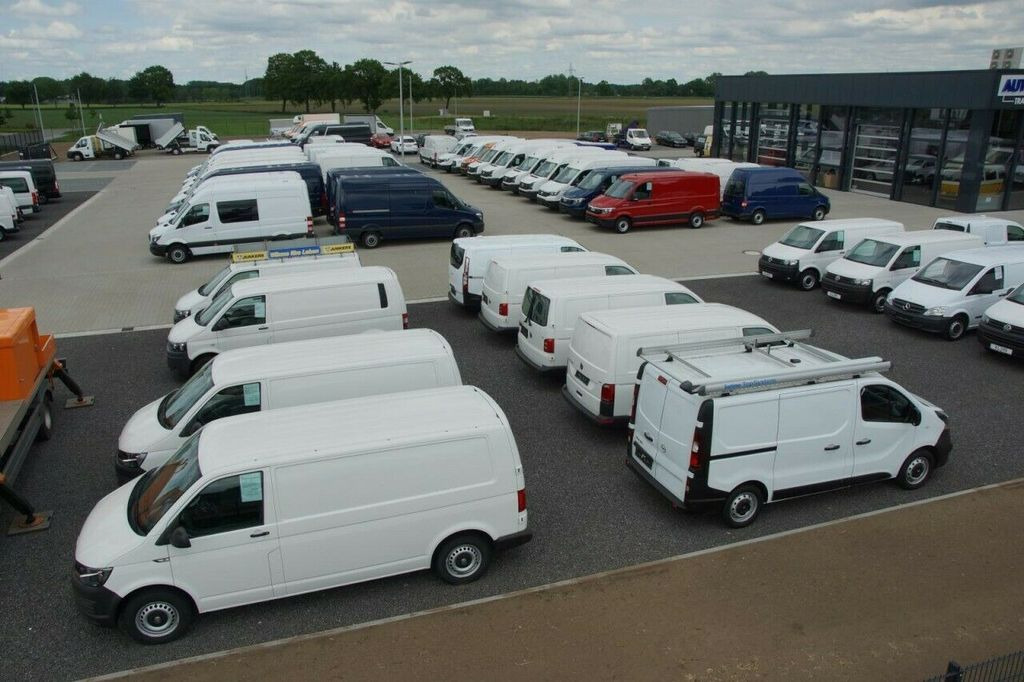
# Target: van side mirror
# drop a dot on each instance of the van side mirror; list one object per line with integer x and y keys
{"x": 179, "y": 538}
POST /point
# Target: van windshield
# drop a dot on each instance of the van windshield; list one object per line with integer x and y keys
{"x": 528, "y": 163}
{"x": 567, "y": 175}
{"x": 802, "y": 237}
{"x": 211, "y": 311}
{"x": 158, "y": 489}
{"x": 592, "y": 181}
{"x": 545, "y": 169}
{"x": 502, "y": 158}
{"x": 1017, "y": 296}
{"x": 952, "y": 227}
{"x": 212, "y": 284}
{"x": 872, "y": 252}
{"x": 176, "y": 404}
{"x": 947, "y": 274}
{"x": 619, "y": 189}
{"x": 734, "y": 188}
{"x": 535, "y": 307}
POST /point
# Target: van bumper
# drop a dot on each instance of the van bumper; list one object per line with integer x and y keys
{"x": 777, "y": 271}
{"x": 943, "y": 447}
{"x": 468, "y": 300}
{"x": 929, "y": 323}
{"x": 157, "y": 249}
{"x": 845, "y": 291}
{"x": 575, "y": 211}
{"x": 642, "y": 471}
{"x": 98, "y": 604}
{"x": 493, "y": 327}
{"x": 600, "y": 222}
{"x": 995, "y": 333}
{"x": 544, "y": 369}
{"x": 513, "y": 540}
{"x": 603, "y": 420}
{"x": 490, "y": 180}
{"x": 178, "y": 362}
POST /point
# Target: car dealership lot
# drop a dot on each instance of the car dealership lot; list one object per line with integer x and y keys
{"x": 588, "y": 512}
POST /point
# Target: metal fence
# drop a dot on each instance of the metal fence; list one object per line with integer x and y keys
{"x": 1009, "y": 668}
{"x": 12, "y": 142}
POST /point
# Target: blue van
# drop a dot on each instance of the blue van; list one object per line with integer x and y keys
{"x": 335, "y": 174}
{"x": 372, "y": 208}
{"x": 310, "y": 173}
{"x": 575, "y": 199}
{"x": 757, "y": 194}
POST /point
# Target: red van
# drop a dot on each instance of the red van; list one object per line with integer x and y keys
{"x": 657, "y": 199}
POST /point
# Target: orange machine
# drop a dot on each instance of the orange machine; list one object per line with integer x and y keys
{"x": 24, "y": 353}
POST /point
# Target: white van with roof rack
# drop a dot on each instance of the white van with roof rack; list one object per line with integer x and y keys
{"x": 601, "y": 369}
{"x": 551, "y": 310}
{"x": 747, "y": 421}
{"x": 993, "y": 230}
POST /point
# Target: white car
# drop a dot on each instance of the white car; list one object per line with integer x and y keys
{"x": 405, "y": 145}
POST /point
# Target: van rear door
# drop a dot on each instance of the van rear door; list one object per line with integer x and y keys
{"x": 650, "y": 404}
{"x": 589, "y": 366}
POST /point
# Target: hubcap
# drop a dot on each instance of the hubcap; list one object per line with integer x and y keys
{"x": 464, "y": 561}
{"x": 157, "y": 619}
{"x": 917, "y": 470}
{"x": 743, "y": 507}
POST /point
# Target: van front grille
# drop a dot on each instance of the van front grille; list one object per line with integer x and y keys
{"x": 907, "y": 306}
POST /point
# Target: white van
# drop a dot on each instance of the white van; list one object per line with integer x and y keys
{"x": 313, "y": 153}
{"x": 448, "y": 160}
{"x": 803, "y": 255}
{"x": 368, "y": 159}
{"x": 550, "y": 193}
{"x": 305, "y": 306}
{"x": 217, "y": 217}
{"x": 251, "y": 157}
{"x": 637, "y": 139}
{"x": 950, "y": 294}
{"x": 488, "y": 154}
{"x": 551, "y": 309}
{"x": 434, "y": 146}
{"x": 552, "y": 164}
{"x": 723, "y": 168}
{"x": 513, "y": 154}
{"x": 471, "y": 256}
{"x": 993, "y": 230}
{"x": 24, "y": 188}
{"x": 877, "y": 265}
{"x": 283, "y": 375}
{"x": 8, "y": 213}
{"x": 601, "y": 369}
{"x": 275, "y": 504}
{"x": 1002, "y": 325}
{"x": 508, "y": 276}
{"x": 182, "y": 197}
{"x": 200, "y": 298}
{"x": 532, "y": 156}
{"x": 762, "y": 419}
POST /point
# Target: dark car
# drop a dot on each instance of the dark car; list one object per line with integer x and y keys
{"x": 592, "y": 136}
{"x": 670, "y": 138}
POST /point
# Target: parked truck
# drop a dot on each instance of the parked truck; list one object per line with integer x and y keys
{"x": 150, "y": 127}
{"x": 198, "y": 139}
{"x": 372, "y": 120}
{"x": 460, "y": 127}
{"x": 106, "y": 143}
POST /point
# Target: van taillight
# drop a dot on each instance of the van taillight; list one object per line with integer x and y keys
{"x": 405, "y": 320}
{"x": 341, "y": 222}
{"x": 35, "y": 197}
{"x": 549, "y": 347}
{"x": 309, "y": 226}
{"x": 632, "y": 408}
{"x": 503, "y": 309}
{"x": 465, "y": 276}
{"x": 521, "y": 495}
{"x": 743, "y": 204}
{"x": 695, "y": 453}
{"x": 607, "y": 408}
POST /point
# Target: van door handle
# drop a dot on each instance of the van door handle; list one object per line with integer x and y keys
{"x": 260, "y": 534}
{"x": 864, "y": 442}
{"x": 262, "y": 329}
{"x": 829, "y": 448}
{"x": 648, "y": 437}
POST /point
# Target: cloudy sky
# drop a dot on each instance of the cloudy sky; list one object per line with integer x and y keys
{"x": 604, "y": 39}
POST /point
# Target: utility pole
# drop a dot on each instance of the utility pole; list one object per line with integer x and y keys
{"x": 81, "y": 112}
{"x": 410, "y": 105}
{"x": 39, "y": 112}
{"x": 401, "y": 106}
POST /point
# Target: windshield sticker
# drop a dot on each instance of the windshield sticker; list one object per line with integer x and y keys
{"x": 251, "y": 394}
{"x": 251, "y": 486}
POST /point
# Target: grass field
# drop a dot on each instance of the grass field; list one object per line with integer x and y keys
{"x": 249, "y": 118}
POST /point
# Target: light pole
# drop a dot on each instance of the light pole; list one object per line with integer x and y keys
{"x": 401, "y": 106}
{"x": 411, "y": 132}
{"x": 579, "y": 96}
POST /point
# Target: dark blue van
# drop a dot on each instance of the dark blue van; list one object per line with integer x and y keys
{"x": 310, "y": 172}
{"x": 372, "y": 208}
{"x": 335, "y": 174}
{"x": 757, "y": 194}
{"x": 575, "y": 199}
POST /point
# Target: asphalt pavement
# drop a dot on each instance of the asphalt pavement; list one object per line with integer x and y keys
{"x": 587, "y": 511}
{"x": 35, "y": 224}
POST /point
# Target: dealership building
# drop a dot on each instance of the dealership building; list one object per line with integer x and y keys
{"x": 953, "y": 139}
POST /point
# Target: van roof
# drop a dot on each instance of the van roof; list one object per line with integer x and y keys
{"x": 502, "y": 240}
{"x": 926, "y": 237}
{"x": 571, "y": 286}
{"x": 649, "y": 175}
{"x": 847, "y": 223}
{"x": 255, "y": 181}
{"x": 978, "y": 219}
{"x": 989, "y": 255}
{"x": 654, "y": 319}
{"x": 523, "y": 260}
{"x": 311, "y": 280}
{"x": 612, "y": 161}
{"x": 325, "y": 354}
{"x": 345, "y": 427}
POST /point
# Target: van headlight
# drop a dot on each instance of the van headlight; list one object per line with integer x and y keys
{"x": 862, "y": 282}
{"x": 572, "y": 202}
{"x": 791, "y": 263}
{"x": 131, "y": 458}
{"x": 92, "y": 577}
{"x": 938, "y": 311}
{"x": 984, "y": 318}
{"x": 598, "y": 210}
{"x": 177, "y": 347}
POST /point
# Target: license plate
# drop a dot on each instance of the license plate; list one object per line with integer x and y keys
{"x": 833, "y": 294}
{"x": 522, "y": 330}
{"x": 1001, "y": 349}
{"x": 583, "y": 378}
{"x": 764, "y": 273}
{"x": 646, "y": 459}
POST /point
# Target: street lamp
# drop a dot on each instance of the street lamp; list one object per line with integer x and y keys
{"x": 401, "y": 106}
{"x": 579, "y": 96}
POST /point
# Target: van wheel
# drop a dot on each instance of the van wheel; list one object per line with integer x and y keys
{"x": 77, "y": 156}
{"x": 156, "y": 616}
{"x": 178, "y": 254}
{"x": 956, "y": 328}
{"x": 758, "y": 217}
{"x": 46, "y": 425}
{"x": 808, "y": 279}
{"x": 878, "y": 302}
{"x": 462, "y": 559}
{"x": 819, "y": 213}
{"x": 464, "y": 231}
{"x": 742, "y": 506}
{"x": 915, "y": 470}
{"x": 623, "y": 224}
{"x": 199, "y": 363}
{"x": 371, "y": 240}
{"x": 176, "y": 151}
{"x": 118, "y": 156}
{"x": 696, "y": 220}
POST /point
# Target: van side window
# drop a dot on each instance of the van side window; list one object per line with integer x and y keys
{"x": 229, "y": 504}
{"x": 244, "y": 312}
{"x": 989, "y": 282}
{"x": 833, "y": 241}
{"x": 242, "y": 211}
{"x": 571, "y": 249}
{"x": 388, "y": 161}
{"x": 383, "y": 293}
{"x": 617, "y": 270}
{"x": 643, "y": 191}
{"x": 805, "y": 190}
{"x": 238, "y": 277}
{"x": 910, "y": 258}
{"x": 199, "y": 213}
{"x": 1014, "y": 233}
{"x": 677, "y": 298}
{"x": 442, "y": 199}
{"x": 885, "y": 404}
{"x": 227, "y": 402}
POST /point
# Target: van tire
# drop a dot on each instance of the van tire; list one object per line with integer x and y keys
{"x": 915, "y": 470}
{"x": 178, "y": 254}
{"x": 46, "y": 425}
{"x": 371, "y": 240}
{"x": 156, "y": 615}
{"x": 758, "y": 217}
{"x": 464, "y": 231}
{"x": 462, "y": 558}
{"x": 200, "y": 362}
{"x": 956, "y": 328}
{"x": 819, "y": 213}
{"x": 878, "y": 302}
{"x": 623, "y": 224}
{"x": 696, "y": 220}
{"x": 118, "y": 156}
{"x": 77, "y": 156}
{"x": 808, "y": 279}
{"x": 742, "y": 506}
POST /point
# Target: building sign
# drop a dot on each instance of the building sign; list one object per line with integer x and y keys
{"x": 1011, "y": 89}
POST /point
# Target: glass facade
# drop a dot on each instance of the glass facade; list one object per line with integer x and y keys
{"x": 773, "y": 134}
{"x": 958, "y": 125}
{"x": 921, "y": 165}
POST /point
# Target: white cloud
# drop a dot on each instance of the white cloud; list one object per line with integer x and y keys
{"x": 38, "y": 8}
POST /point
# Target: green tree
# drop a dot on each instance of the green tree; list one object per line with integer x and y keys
{"x": 48, "y": 88}
{"x": 71, "y": 113}
{"x": 308, "y": 70}
{"x": 154, "y": 83}
{"x": 18, "y": 92}
{"x": 368, "y": 83}
{"x": 449, "y": 82}
{"x": 337, "y": 85}
{"x": 278, "y": 80}
{"x": 88, "y": 86}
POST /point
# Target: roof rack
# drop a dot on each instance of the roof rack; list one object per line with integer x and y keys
{"x": 831, "y": 369}
{"x": 291, "y": 248}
